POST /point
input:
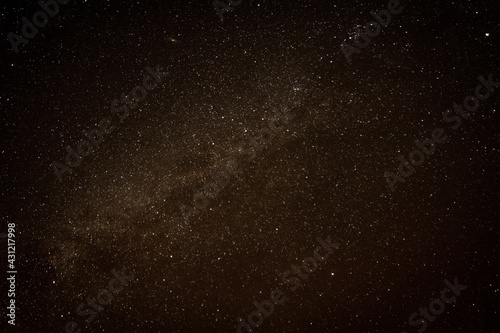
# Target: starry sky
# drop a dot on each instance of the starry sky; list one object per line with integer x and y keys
{"x": 320, "y": 174}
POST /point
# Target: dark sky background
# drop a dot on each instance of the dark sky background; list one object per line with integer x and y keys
{"x": 322, "y": 174}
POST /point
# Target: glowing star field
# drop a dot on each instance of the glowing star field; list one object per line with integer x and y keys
{"x": 250, "y": 166}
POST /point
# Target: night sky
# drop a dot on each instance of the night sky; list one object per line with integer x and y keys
{"x": 228, "y": 153}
